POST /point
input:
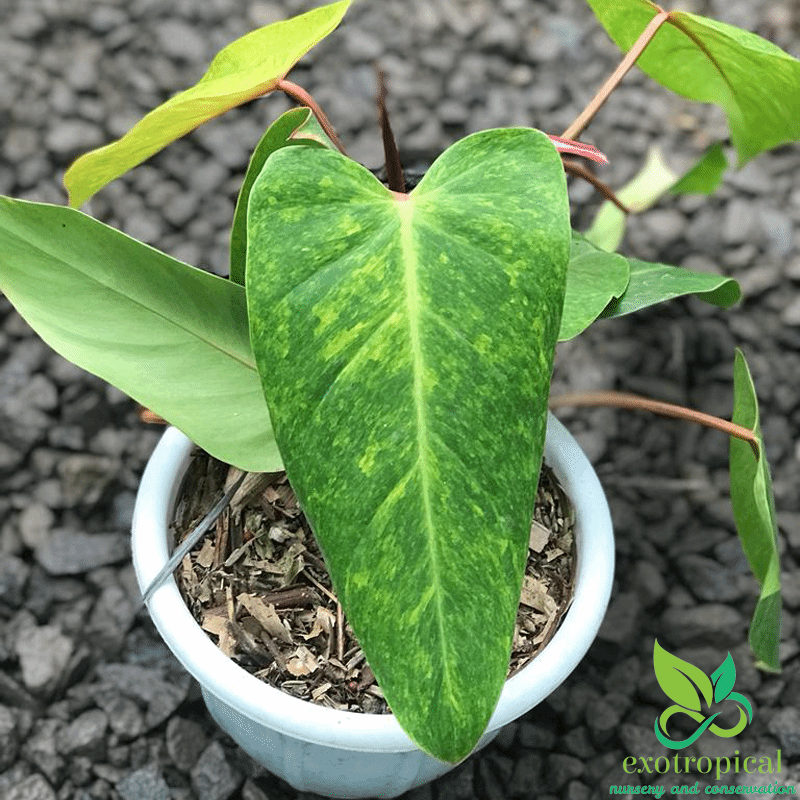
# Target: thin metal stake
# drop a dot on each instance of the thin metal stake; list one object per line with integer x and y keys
{"x": 191, "y": 540}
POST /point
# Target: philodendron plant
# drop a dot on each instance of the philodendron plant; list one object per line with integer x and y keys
{"x": 393, "y": 350}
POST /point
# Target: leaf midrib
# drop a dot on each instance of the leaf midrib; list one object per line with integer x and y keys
{"x": 405, "y": 209}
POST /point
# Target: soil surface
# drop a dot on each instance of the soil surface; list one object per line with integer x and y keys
{"x": 258, "y": 585}
{"x": 92, "y": 706}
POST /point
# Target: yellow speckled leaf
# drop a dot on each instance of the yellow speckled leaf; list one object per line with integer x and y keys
{"x": 405, "y": 346}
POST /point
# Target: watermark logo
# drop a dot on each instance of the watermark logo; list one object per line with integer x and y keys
{"x": 691, "y": 689}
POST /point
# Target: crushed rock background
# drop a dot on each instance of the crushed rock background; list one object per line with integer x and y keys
{"x": 92, "y": 706}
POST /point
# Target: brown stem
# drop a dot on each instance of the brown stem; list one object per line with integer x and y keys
{"x": 394, "y": 168}
{"x": 573, "y": 168}
{"x": 636, "y": 402}
{"x": 585, "y": 117}
{"x": 300, "y": 95}
{"x": 146, "y": 415}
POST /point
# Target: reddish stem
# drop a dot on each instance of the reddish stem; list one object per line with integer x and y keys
{"x": 300, "y": 95}
{"x": 636, "y": 402}
{"x": 579, "y": 171}
{"x": 578, "y": 149}
{"x": 586, "y": 116}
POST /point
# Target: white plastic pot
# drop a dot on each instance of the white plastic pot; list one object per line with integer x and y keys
{"x": 343, "y": 754}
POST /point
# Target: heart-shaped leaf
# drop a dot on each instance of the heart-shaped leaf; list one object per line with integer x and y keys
{"x": 654, "y": 283}
{"x": 754, "y": 81}
{"x": 724, "y": 678}
{"x": 754, "y": 511}
{"x": 246, "y": 68}
{"x": 594, "y": 279}
{"x": 295, "y": 127}
{"x": 171, "y": 336}
{"x": 682, "y": 682}
{"x": 405, "y": 344}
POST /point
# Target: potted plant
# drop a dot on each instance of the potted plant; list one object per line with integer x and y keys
{"x": 393, "y": 349}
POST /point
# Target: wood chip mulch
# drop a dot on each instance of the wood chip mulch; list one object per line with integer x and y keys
{"x": 257, "y": 584}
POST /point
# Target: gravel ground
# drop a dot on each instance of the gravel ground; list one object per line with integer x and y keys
{"x": 92, "y": 706}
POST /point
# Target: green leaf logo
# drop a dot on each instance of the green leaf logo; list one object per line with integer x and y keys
{"x": 724, "y": 677}
{"x": 687, "y": 685}
{"x": 681, "y": 681}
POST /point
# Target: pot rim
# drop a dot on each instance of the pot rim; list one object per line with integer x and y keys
{"x": 304, "y": 720}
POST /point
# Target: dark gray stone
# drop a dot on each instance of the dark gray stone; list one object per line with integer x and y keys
{"x": 624, "y": 676}
{"x": 35, "y": 522}
{"x": 68, "y": 552}
{"x": 14, "y": 574}
{"x": 44, "y": 656}
{"x": 85, "y": 736}
{"x": 111, "y": 619}
{"x": 41, "y": 749}
{"x": 527, "y": 780}
{"x": 708, "y": 580}
{"x": 536, "y": 736}
{"x": 10, "y": 457}
{"x": 785, "y": 725}
{"x": 577, "y": 743}
{"x": 9, "y": 738}
{"x": 604, "y": 714}
{"x": 458, "y": 784}
{"x": 186, "y": 740}
{"x": 489, "y": 785}
{"x": 789, "y": 523}
{"x": 621, "y": 624}
{"x": 640, "y": 741}
{"x": 649, "y": 583}
{"x": 124, "y": 716}
{"x": 178, "y": 40}
{"x": 710, "y": 623}
{"x": 85, "y": 477}
{"x": 791, "y": 314}
{"x": 507, "y": 736}
{"x": 577, "y": 791}
{"x": 34, "y": 787}
{"x": 67, "y": 138}
{"x": 664, "y": 225}
{"x": 148, "y": 687}
{"x": 561, "y": 769}
{"x": 213, "y": 778}
{"x": 251, "y": 792}
{"x": 13, "y": 694}
{"x": 147, "y": 782}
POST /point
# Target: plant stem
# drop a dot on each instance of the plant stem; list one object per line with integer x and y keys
{"x": 146, "y": 415}
{"x": 300, "y": 95}
{"x": 585, "y": 117}
{"x": 636, "y": 402}
{"x": 573, "y": 168}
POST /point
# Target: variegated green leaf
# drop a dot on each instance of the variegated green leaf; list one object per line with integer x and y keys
{"x": 405, "y": 344}
{"x": 294, "y": 127}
